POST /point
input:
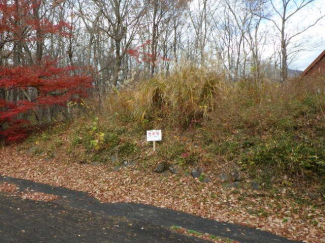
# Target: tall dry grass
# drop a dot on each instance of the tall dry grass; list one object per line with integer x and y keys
{"x": 196, "y": 96}
{"x": 246, "y": 121}
{"x": 180, "y": 99}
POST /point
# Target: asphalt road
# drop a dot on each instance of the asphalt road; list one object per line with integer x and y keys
{"x": 76, "y": 217}
{"x": 23, "y": 221}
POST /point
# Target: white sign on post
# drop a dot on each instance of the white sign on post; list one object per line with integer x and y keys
{"x": 153, "y": 136}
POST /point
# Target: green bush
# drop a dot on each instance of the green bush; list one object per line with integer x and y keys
{"x": 171, "y": 150}
{"x": 288, "y": 155}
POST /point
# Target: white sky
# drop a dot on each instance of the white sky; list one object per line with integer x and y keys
{"x": 314, "y": 35}
{"x": 307, "y": 57}
{"x": 312, "y": 42}
{"x": 310, "y": 51}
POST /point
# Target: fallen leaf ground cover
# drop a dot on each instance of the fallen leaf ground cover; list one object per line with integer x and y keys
{"x": 13, "y": 190}
{"x": 273, "y": 212}
{"x": 200, "y": 235}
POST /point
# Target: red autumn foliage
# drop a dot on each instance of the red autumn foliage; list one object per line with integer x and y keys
{"x": 18, "y": 16}
{"x": 54, "y": 85}
{"x": 142, "y": 56}
{"x": 51, "y": 84}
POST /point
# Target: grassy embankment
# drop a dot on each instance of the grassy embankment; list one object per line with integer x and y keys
{"x": 273, "y": 132}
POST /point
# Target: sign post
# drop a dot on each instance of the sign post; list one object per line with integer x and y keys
{"x": 153, "y": 136}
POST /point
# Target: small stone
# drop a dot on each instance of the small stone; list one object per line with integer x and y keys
{"x": 196, "y": 172}
{"x": 114, "y": 159}
{"x": 172, "y": 169}
{"x": 117, "y": 168}
{"x": 33, "y": 150}
{"x": 206, "y": 180}
{"x": 236, "y": 176}
{"x": 235, "y": 184}
{"x": 255, "y": 185}
{"x": 132, "y": 163}
{"x": 50, "y": 156}
{"x": 224, "y": 177}
{"x": 161, "y": 167}
{"x": 127, "y": 163}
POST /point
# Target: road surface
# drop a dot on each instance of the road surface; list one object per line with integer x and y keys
{"x": 77, "y": 217}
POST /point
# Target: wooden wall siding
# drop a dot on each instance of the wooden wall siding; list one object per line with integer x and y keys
{"x": 317, "y": 67}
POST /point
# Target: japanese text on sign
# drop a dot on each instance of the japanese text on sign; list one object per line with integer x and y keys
{"x": 154, "y": 135}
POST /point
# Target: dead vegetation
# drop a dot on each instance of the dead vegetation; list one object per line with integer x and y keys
{"x": 270, "y": 133}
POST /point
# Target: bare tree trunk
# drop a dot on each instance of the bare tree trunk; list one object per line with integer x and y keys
{"x": 118, "y": 62}
{"x": 284, "y": 57}
{"x": 2, "y": 97}
{"x": 154, "y": 37}
{"x": 39, "y": 42}
{"x": 175, "y": 43}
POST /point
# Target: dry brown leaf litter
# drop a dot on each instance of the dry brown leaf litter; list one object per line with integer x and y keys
{"x": 38, "y": 196}
{"x": 8, "y": 188}
{"x": 12, "y": 189}
{"x": 204, "y": 236}
{"x": 280, "y": 215}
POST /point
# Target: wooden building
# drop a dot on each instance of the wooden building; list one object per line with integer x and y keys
{"x": 317, "y": 67}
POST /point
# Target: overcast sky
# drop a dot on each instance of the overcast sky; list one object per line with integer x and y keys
{"x": 306, "y": 58}
{"x": 310, "y": 43}
{"x": 315, "y": 34}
